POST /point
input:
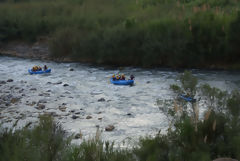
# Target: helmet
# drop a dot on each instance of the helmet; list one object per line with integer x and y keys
{"x": 113, "y": 75}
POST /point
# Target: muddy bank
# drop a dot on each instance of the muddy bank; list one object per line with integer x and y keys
{"x": 38, "y": 50}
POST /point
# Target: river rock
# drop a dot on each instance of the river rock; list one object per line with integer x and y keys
{"x": 58, "y": 83}
{"x": 2, "y": 82}
{"x": 109, "y": 128}
{"x": 75, "y": 117}
{"x": 44, "y": 94}
{"x": 62, "y": 108}
{"x": 40, "y": 107}
{"x": 65, "y": 85}
{"x": 15, "y": 99}
{"x": 88, "y": 117}
{"x": 10, "y": 80}
{"x": 101, "y": 100}
{"x": 71, "y": 69}
{"x": 42, "y": 101}
{"x": 78, "y": 136}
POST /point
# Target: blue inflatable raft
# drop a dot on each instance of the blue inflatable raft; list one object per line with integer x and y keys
{"x": 39, "y": 72}
{"x": 187, "y": 98}
{"x": 122, "y": 82}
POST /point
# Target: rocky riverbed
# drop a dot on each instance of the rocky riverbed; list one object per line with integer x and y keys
{"x": 82, "y": 100}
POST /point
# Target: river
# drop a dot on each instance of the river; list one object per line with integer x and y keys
{"x": 74, "y": 97}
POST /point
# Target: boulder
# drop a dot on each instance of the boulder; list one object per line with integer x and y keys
{"x": 109, "y": 128}
{"x": 78, "y": 136}
{"x": 40, "y": 107}
{"x": 10, "y": 80}
{"x": 101, "y": 100}
{"x": 75, "y": 117}
{"x": 88, "y": 117}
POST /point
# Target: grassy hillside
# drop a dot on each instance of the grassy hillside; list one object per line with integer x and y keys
{"x": 173, "y": 33}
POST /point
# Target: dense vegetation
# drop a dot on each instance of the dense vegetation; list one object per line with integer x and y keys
{"x": 191, "y": 135}
{"x": 174, "y": 33}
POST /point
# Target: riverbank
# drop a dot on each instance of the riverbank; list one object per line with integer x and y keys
{"x": 40, "y": 51}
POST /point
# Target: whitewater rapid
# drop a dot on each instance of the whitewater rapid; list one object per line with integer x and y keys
{"x": 132, "y": 110}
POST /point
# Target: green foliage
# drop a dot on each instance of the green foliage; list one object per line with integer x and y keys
{"x": 44, "y": 142}
{"x": 145, "y": 33}
{"x": 189, "y": 83}
{"x": 216, "y": 98}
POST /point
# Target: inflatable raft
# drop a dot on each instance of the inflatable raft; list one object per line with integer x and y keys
{"x": 122, "y": 82}
{"x": 187, "y": 98}
{"x": 39, "y": 72}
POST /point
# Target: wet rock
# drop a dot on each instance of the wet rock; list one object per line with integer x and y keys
{"x": 72, "y": 111}
{"x": 33, "y": 103}
{"x": 7, "y": 103}
{"x": 99, "y": 118}
{"x": 101, "y": 100}
{"x": 2, "y": 82}
{"x": 97, "y": 126}
{"x": 75, "y": 117}
{"x": 49, "y": 90}
{"x": 42, "y": 101}
{"x": 14, "y": 100}
{"x": 67, "y": 92}
{"x": 65, "y": 85}
{"x": 88, "y": 117}
{"x": 77, "y": 113}
{"x": 49, "y": 83}
{"x": 33, "y": 89}
{"x": 78, "y": 136}
{"x": 64, "y": 104}
{"x": 62, "y": 108}
{"x": 99, "y": 112}
{"x": 28, "y": 124}
{"x": 62, "y": 96}
{"x": 109, "y": 128}
{"x": 44, "y": 94}
{"x": 129, "y": 114}
{"x": 22, "y": 81}
{"x": 148, "y": 82}
{"x": 23, "y": 95}
{"x": 10, "y": 80}
{"x": 70, "y": 97}
{"x": 71, "y": 69}
{"x": 40, "y": 106}
{"x": 21, "y": 90}
{"x": 58, "y": 83}
{"x": 17, "y": 88}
